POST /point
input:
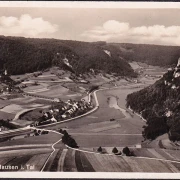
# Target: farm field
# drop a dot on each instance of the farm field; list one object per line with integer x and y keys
{"x": 70, "y": 160}
{"x": 35, "y": 158}
{"x": 106, "y": 140}
{"x": 43, "y": 139}
{"x": 5, "y": 115}
{"x": 112, "y": 125}
{"x": 106, "y": 163}
{"x": 12, "y": 109}
{"x": 56, "y": 91}
{"x": 96, "y": 129}
{"x": 4, "y": 103}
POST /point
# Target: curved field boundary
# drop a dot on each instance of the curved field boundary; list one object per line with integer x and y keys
{"x": 94, "y": 109}
{"x": 148, "y": 158}
{"x": 5, "y": 148}
{"x": 90, "y": 152}
{"x": 50, "y": 154}
{"x": 52, "y": 124}
{"x": 21, "y": 113}
{"x": 61, "y": 160}
{"x": 15, "y": 132}
{"x": 38, "y": 96}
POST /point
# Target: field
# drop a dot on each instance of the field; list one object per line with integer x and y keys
{"x": 148, "y": 74}
{"x": 106, "y": 140}
{"x": 43, "y": 139}
{"x": 13, "y": 108}
{"x": 31, "y": 115}
{"x": 97, "y": 130}
{"x": 5, "y": 115}
{"x": 107, "y": 163}
{"x": 23, "y": 159}
{"x": 111, "y": 125}
{"x": 70, "y": 160}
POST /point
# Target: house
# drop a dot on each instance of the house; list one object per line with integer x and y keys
{"x": 75, "y": 105}
{"x": 64, "y": 116}
{"x": 53, "y": 119}
{"x": 51, "y": 111}
{"x": 47, "y": 115}
{"x": 56, "y": 100}
{"x": 56, "y": 110}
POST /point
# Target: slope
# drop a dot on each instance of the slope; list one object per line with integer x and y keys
{"x": 23, "y": 55}
{"x": 157, "y": 55}
{"x": 159, "y": 104}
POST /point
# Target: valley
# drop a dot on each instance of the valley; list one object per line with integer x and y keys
{"x": 108, "y": 124}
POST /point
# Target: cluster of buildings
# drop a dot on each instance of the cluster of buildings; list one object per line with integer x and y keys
{"x": 66, "y": 110}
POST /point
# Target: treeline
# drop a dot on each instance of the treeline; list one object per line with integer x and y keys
{"x": 159, "y": 105}
{"x": 150, "y": 54}
{"x": 24, "y": 55}
{"x": 7, "y": 123}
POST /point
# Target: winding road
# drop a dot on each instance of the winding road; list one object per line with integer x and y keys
{"x": 78, "y": 128}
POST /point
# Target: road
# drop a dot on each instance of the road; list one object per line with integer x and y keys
{"x": 94, "y": 129}
{"x": 100, "y": 125}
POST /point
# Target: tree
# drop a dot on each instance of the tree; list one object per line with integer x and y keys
{"x": 67, "y": 139}
{"x": 126, "y": 151}
{"x": 61, "y": 131}
{"x": 99, "y": 149}
{"x": 115, "y": 150}
{"x": 65, "y": 133}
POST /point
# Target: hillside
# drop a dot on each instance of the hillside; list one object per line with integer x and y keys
{"x": 24, "y": 55}
{"x": 159, "y": 104}
{"x": 151, "y": 54}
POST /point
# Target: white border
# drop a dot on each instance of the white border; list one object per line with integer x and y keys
{"x": 90, "y": 4}
{"x": 92, "y": 175}
{"x": 100, "y": 5}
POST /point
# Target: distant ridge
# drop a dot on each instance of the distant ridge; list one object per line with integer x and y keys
{"x": 24, "y": 55}
{"x": 158, "y": 55}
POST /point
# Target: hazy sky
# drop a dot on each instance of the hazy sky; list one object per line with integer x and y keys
{"x": 152, "y": 26}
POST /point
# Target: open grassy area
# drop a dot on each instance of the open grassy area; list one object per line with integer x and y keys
{"x": 106, "y": 140}
{"x": 5, "y": 115}
{"x": 91, "y": 131}
{"x": 43, "y": 139}
{"x": 96, "y": 129}
{"x": 102, "y": 163}
{"x": 31, "y": 115}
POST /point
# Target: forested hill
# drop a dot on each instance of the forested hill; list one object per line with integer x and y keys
{"x": 159, "y": 104}
{"x": 23, "y": 55}
{"x": 150, "y": 54}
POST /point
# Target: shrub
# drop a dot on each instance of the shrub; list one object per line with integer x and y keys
{"x": 126, "y": 151}
{"x": 44, "y": 132}
{"x": 61, "y": 131}
{"x": 115, "y": 150}
{"x": 67, "y": 139}
{"x": 99, "y": 149}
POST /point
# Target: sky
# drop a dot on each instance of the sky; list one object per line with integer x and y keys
{"x": 122, "y": 25}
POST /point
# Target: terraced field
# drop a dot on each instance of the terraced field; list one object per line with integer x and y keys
{"x": 70, "y": 160}
{"x": 43, "y": 139}
{"x": 89, "y": 162}
{"x": 23, "y": 158}
{"x": 90, "y": 132}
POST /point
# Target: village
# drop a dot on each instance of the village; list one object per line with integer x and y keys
{"x": 64, "y": 110}
{"x": 55, "y": 110}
